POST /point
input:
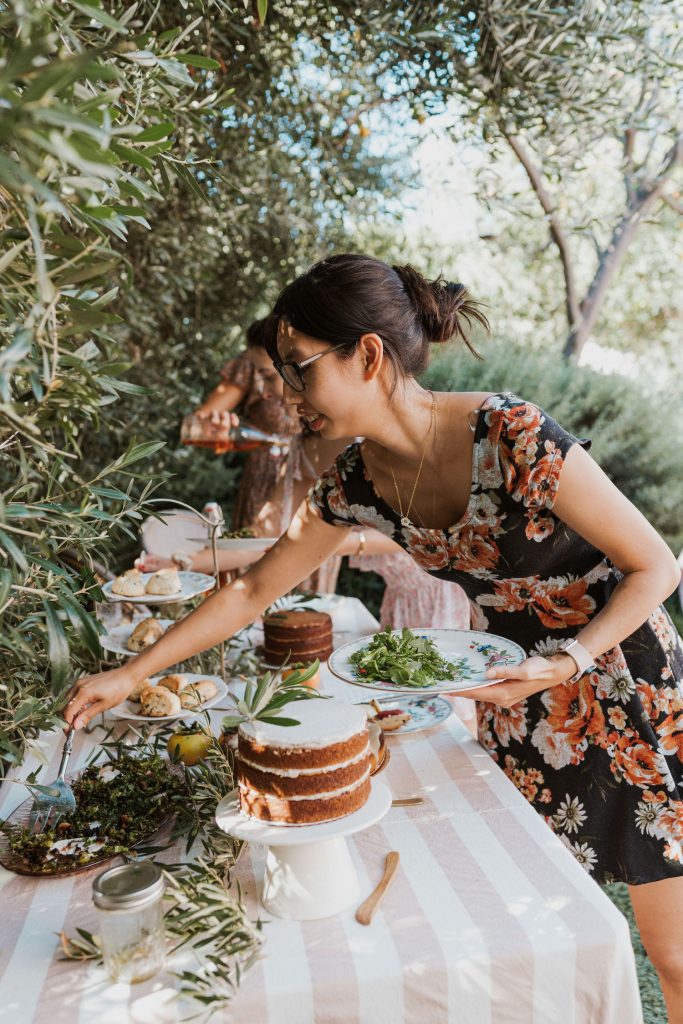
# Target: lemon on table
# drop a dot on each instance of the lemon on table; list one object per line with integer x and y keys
{"x": 190, "y": 745}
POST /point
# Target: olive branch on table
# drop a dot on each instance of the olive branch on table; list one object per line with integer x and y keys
{"x": 205, "y": 912}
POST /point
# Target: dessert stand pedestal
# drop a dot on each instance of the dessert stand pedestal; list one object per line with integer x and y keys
{"x": 309, "y": 871}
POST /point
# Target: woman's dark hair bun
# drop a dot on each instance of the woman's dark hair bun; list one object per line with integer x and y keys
{"x": 443, "y": 307}
{"x": 348, "y": 295}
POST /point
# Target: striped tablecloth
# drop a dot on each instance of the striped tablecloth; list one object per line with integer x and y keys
{"x": 490, "y": 920}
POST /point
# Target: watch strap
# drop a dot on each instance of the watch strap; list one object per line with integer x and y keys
{"x": 580, "y": 655}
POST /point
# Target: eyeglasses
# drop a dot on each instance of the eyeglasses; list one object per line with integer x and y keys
{"x": 293, "y": 373}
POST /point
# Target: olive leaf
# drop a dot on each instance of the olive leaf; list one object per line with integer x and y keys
{"x": 272, "y": 692}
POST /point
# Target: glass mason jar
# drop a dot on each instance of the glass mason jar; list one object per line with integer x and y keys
{"x": 129, "y": 900}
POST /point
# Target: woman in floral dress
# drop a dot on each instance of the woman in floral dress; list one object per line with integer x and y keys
{"x": 490, "y": 492}
{"x": 270, "y": 476}
{"x": 250, "y": 385}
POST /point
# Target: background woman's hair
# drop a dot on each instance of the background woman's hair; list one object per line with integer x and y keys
{"x": 257, "y": 334}
{"x": 343, "y": 297}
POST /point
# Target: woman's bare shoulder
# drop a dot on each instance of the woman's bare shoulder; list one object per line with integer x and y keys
{"x": 464, "y": 402}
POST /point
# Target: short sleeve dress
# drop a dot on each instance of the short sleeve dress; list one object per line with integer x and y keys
{"x": 601, "y": 758}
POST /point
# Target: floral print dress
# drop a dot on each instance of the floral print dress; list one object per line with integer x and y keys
{"x": 263, "y": 467}
{"x": 601, "y": 758}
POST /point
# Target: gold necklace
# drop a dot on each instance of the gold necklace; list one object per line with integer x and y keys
{"x": 405, "y": 518}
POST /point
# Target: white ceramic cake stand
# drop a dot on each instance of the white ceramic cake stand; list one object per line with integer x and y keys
{"x": 309, "y": 871}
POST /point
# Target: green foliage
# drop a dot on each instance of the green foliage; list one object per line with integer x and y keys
{"x": 89, "y": 99}
{"x": 244, "y": 159}
{"x": 635, "y": 435}
{"x": 204, "y": 916}
{"x": 164, "y": 170}
{"x": 287, "y": 172}
{"x": 265, "y": 698}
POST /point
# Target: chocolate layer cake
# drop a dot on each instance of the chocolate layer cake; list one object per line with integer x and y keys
{"x": 297, "y": 635}
{"x": 316, "y": 771}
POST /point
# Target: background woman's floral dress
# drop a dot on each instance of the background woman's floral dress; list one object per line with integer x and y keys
{"x": 262, "y": 467}
{"x": 602, "y": 758}
{"x": 269, "y": 474}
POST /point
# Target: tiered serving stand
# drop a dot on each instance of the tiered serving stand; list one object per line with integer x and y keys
{"x": 215, "y": 524}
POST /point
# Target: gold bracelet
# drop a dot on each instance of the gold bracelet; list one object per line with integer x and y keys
{"x": 361, "y": 544}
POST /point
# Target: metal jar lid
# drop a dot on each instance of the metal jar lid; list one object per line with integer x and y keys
{"x": 128, "y": 886}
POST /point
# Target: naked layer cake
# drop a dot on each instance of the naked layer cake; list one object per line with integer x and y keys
{"x": 316, "y": 771}
{"x": 297, "y": 635}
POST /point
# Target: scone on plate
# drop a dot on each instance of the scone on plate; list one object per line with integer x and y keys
{"x": 144, "y": 635}
{"x": 392, "y": 718}
{"x": 174, "y": 683}
{"x": 135, "y": 693}
{"x": 194, "y": 696}
{"x": 157, "y": 701}
{"x": 165, "y": 581}
{"x": 129, "y": 584}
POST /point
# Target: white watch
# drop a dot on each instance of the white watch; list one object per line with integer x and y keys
{"x": 580, "y": 655}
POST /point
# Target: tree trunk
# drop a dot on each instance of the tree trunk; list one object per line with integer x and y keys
{"x": 581, "y": 316}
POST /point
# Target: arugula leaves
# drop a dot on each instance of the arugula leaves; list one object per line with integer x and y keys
{"x": 404, "y": 660}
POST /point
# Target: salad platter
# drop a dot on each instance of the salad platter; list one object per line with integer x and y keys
{"x": 120, "y": 805}
{"x": 425, "y": 660}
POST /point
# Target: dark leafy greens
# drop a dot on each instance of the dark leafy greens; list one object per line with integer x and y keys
{"x": 405, "y": 659}
{"x": 118, "y": 803}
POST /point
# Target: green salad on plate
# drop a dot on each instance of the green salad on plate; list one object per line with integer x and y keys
{"x": 405, "y": 659}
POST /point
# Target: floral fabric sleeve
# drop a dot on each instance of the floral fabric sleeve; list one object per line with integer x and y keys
{"x": 531, "y": 448}
{"x": 327, "y": 498}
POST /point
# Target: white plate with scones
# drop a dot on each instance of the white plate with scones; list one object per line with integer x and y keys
{"x": 162, "y": 587}
{"x": 130, "y": 639}
{"x": 169, "y": 697}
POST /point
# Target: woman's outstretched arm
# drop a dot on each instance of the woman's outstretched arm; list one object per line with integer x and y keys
{"x": 225, "y": 397}
{"x": 307, "y": 542}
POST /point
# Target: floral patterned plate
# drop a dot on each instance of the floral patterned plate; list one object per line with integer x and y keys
{"x": 470, "y": 651}
{"x": 425, "y": 713}
{"x": 192, "y": 584}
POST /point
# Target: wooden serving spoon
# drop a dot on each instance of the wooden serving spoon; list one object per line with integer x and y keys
{"x": 366, "y": 910}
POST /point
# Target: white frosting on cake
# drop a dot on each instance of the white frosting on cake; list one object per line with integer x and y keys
{"x": 323, "y": 796}
{"x": 322, "y": 722}
{"x": 295, "y": 773}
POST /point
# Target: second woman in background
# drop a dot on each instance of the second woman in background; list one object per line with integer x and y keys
{"x": 250, "y": 385}
{"x": 274, "y": 481}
